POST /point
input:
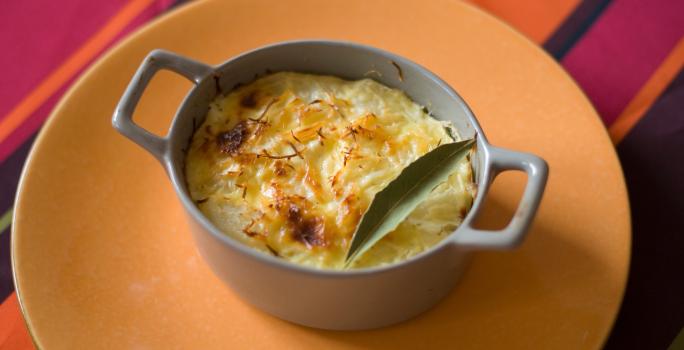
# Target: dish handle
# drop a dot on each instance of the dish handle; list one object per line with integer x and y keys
{"x": 513, "y": 234}
{"x": 123, "y": 115}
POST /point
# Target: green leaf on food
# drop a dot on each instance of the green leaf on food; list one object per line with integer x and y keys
{"x": 396, "y": 201}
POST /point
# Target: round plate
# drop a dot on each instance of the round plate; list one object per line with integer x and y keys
{"x": 103, "y": 255}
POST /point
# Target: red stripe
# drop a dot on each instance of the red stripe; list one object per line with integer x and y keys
{"x": 36, "y": 119}
{"x": 623, "y": 48}
{"x": 37, "y": 36}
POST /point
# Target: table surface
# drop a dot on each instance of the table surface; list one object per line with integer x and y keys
{"x": 627, "y": 57}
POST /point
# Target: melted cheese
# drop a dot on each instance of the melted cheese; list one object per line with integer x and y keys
{"x": 289, "y": 163}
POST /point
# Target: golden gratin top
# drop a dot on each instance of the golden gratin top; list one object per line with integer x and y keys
{"x": 289, "y": 163}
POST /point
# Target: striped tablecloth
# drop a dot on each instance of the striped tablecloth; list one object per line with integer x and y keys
{"x": 627, "y": 55}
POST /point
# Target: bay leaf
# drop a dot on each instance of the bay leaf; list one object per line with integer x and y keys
{"x": 400, "y": 197}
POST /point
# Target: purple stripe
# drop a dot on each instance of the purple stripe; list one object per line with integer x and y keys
{"x": 574, "y": 27}
{"x": 10, "y": 170}
{"x": 652, "y": 156}
{"x": 6, "y": 282}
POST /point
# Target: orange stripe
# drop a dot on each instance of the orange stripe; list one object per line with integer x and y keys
{"x": 649, "y": 93}
{"x": 13, "y": 333}
{"x": 70, "y": 67}
{"x": 534, "y": 18}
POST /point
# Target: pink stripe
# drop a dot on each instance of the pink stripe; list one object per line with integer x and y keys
{"x": 36, "y": 120}
{"x": 149, "y": 13}
{"x": 622, "y": 49}
{"x": 37, "y": 36}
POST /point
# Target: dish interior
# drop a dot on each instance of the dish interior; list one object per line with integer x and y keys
{"x": 346, "y": 61}
{"x": 289, "y": 163}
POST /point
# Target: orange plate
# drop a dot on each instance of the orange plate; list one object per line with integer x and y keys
{"x": 103, "y": 256}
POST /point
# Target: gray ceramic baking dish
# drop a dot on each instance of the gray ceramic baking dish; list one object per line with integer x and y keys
{"x": 342, "y": 300}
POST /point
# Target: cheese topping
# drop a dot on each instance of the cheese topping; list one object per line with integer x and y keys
{"x": 289, "y": 163}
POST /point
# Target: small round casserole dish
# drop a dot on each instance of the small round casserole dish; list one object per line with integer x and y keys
{"x": 348, "y": 299}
